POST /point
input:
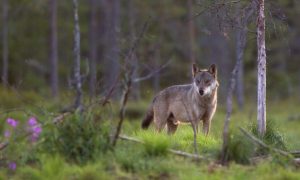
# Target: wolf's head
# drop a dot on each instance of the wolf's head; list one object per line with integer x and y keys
{"x": 205, "y": 80}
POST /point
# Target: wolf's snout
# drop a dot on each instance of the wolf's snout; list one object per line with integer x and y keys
{"x": 201, "y": 92}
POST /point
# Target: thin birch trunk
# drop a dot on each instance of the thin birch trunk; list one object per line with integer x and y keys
{"x": 77, "y": 76}
{"x": 261, "y": 73}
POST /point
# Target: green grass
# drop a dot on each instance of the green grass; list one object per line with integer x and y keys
{"x": 130, "y": 160}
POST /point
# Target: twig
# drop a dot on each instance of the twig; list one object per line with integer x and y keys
{"x": 176, "y": 152}
{"x": 122, "y": 111}
{"x": 213, "y": 7}
{"x": 151, "y": 74}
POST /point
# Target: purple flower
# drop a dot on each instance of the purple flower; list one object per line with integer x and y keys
{"x": 32, "y": 121}
{"x": 12, "y": 122}
{"x": 37, "y": 129}
{"x": 7, "y": 133}
{"x": 12, "y": 166}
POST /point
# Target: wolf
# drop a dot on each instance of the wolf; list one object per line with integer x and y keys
{"x": 188, "y": 103}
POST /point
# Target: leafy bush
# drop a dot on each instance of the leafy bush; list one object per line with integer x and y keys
{"x": 78, "y": 138}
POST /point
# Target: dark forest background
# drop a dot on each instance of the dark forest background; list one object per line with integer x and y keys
{"x": 177, "y": 33}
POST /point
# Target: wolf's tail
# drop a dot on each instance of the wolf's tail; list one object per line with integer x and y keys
{"x": 148, "y": 118}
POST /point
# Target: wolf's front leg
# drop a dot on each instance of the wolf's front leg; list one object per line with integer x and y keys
{"x": 206, "y": 126}
{"x": 194, "y": 126}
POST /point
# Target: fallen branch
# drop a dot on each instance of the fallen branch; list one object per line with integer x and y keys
{"x": 176, "y": 152}
{"x": 295, "y": 153}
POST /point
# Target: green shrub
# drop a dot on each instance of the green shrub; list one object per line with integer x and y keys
{"x": 272, "y": 136}
{"x": 155, "y": 144}
{"x": 240, "y": 149}
{"x": 78, "y": 138}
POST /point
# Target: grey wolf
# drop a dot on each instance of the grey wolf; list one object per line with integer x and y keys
{"x": 188, "y": 103}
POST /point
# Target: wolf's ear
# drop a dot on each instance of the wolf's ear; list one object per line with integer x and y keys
{"x": 195, "y": 69}
{"x": 213, "y": 70}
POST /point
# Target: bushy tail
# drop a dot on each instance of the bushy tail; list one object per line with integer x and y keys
{"x": 148, "y": 118}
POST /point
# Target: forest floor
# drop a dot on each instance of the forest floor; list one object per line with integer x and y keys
{"x": 131, "y": 160}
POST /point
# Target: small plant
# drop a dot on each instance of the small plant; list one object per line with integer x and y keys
{"x": 155, "y": 144}
{"x": 78, "y": 138}
{"x": 240, "y": 149}
{"x": 20, "y": 140}
{"x": 272, "y": 136}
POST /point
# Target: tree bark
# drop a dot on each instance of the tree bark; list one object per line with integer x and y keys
{"x": 53, "y": 47}
{"x": 241, "y": 36}
{"x": 112, "y": 65}
{"x": 241, "y": 40}
{"x": 76, "y": 51}
{"x": 261, "y": 73}
{"x": 93, "y": 48}
{"x": 132, "y": 32}
{"x": 5, "y": 42}
{"x": 191, "y": 32}
{"x": 224, "y": 155}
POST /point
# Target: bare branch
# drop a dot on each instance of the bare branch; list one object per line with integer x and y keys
{"x": 151, "y": 74}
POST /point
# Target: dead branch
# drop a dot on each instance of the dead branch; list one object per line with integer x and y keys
{"x": 151, "y": 74}
{"x": 59, "y": 118}
{"x": 122, "y": 110}
{"x": 129, "y": 69}
{"x": 176, "y": 152}
{"x": 228, "y": 112}
{"x": 295, "y": 153}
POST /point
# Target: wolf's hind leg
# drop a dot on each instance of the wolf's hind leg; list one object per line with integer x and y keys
{"x": 160, "y": 122}
{"x": 172, "y": 126}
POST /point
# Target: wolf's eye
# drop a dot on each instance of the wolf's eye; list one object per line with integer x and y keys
{"x": 207, "y": 82}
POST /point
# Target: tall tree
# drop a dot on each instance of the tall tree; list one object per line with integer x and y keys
{"x": 93, "y": 48}
{"x": 77, "y": 76}
{"x": 5, "y": 42}
{"x": 261, "y": 66}
{"x": 191, "y": 32}
{"x": 132, "y": 31}
{"x": 53, "y": 47}
{"x": 243, "y": 19}
{"x": 112, "y": 64}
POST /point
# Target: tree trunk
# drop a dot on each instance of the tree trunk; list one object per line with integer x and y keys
{"x": 53, "y": 47}
{"x": 224, "y": 155}
{"x": 241, "y": 37}
{"x": 112, "y": 65}
{"x": 93, "y": 48}
{"x": 5, "y": 42}
{"x": 132, "y": 32}
{"x": 77, "y": 76}
{"x": 261, "y": 66}
{"x": 191, "y": 32}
